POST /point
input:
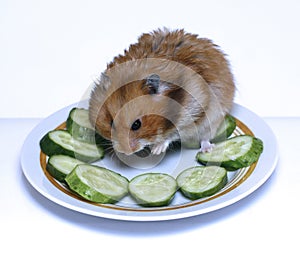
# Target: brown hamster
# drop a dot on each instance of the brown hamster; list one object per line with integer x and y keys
{"x": 170, "y": 85}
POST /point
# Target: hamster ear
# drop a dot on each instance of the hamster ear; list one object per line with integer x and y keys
{"x": 152, "y": 82}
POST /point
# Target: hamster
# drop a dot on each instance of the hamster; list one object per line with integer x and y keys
{"x": 169, "y": 86}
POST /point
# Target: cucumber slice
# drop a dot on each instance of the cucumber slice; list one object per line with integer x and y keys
{"x": 153, "y": 189}
{"x": 60, "y": 142}
{"x": 79, "y": 126}
{"x": 97, "y": 184}
{"x": 225, "y": 129}
{"x": 59, "y": 166}
{"x": 234, "y": 153}
{"x": 200, "y": 181}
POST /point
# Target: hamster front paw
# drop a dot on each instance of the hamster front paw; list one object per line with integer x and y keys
{"x": 159, "y": 148}
{"x": 206, "y": 146}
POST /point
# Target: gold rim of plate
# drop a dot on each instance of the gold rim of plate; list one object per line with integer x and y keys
{"x": 240, "y": 176}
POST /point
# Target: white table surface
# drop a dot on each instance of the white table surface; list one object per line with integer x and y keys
{"x": 262, "y": 227}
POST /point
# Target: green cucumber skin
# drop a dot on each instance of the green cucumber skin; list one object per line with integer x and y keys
{"x": 54, "y": 170}
{"x": 50, "y": 148}
{"x": 141, "y": 202}
{"x": 246, "y": 160}
{"x": 60, "y": 176}
{"x": 76, "y": 185}
{"x": 230, "y": 124}
{"x": 197, "y": 195}
{"x": 81, "y": 133}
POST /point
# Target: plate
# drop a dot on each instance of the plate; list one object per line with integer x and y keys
{"x": 240, "y": 183}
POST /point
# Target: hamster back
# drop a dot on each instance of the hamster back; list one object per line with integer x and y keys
{"x": 170, "y": 85}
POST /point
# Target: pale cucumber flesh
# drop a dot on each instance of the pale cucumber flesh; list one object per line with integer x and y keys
{"x": 153, "y": 189}
{"x": 198, "y": 182}
{"x": 234, "y": 153}
{"x": 79, "y": 126}
{"x": 225, "y": 129}
{"x": 61, "y": 142}
{"x": 67, "y": 141}
{"x": 81, "y": 117}
{"x": 59, "y": 166}
{"x": 230, "y": 149}
{"x": 97, "y": 184}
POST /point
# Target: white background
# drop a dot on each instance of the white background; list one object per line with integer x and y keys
{"x": 51, "y": 50}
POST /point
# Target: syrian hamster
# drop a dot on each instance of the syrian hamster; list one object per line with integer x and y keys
{"x": 170, "y": 85}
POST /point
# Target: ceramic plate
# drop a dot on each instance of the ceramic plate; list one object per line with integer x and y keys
{"x": 240, "y": 183}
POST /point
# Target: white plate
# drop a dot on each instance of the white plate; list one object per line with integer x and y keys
{"x": 241, "y": 183}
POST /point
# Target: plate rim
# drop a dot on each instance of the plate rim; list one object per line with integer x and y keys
{"x": 148, "y": 216}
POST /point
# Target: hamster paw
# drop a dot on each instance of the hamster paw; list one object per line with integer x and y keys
{"x": 159, "y": 148}
{"x": 206, "y": 146}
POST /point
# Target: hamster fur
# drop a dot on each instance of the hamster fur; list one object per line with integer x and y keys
{"x": 170, "y": 85}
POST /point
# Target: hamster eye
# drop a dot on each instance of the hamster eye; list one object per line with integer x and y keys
{"x": 136, "y": 125}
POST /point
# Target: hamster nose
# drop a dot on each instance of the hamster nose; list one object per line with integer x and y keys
{"x": 131, "y": 148}
{"x": 133, "y": 144}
